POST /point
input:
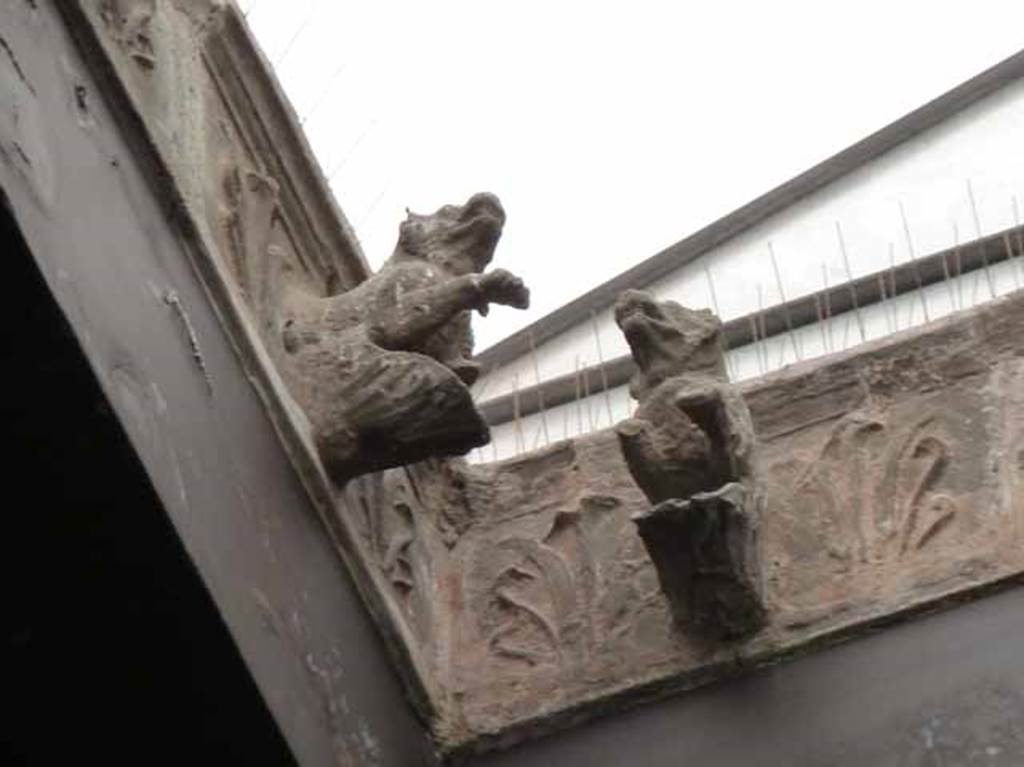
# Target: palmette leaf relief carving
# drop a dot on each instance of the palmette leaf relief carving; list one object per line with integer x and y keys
{"x": 886, "y": 481}
{"x": 256, "y": 247}
{"x": 395, "y": 526}
{"x": 533, "y": 598}
{"x": 129, "y": 24}
{"x": 251, "y": 211}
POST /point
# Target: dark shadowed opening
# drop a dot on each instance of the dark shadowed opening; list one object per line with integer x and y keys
{"x": 111, "y": 650}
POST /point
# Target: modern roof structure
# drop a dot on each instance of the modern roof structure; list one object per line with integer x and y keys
{"x": 759, "y": 209}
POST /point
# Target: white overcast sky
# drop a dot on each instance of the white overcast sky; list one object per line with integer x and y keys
{"x": 610, "y": 130}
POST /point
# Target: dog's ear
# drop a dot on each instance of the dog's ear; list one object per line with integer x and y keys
{"x": 410, "y": 237}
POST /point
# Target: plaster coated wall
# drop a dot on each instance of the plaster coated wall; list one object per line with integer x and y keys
{"x": 934, "y": 176}
{"x": 837, "y": 334}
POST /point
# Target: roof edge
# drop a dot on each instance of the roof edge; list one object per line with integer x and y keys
{"x": 759, "y": 209}
{"x": 908, "y": 277}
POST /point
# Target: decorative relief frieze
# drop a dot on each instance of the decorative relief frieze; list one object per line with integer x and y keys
{"x": 885, "y": 483}
{"x": 398, "y": 534}
{"x": 251, "y": 208}
{"x": 521, "y": 594}
{"x": 129, "y": 24}
{"x": 877, "y": 510}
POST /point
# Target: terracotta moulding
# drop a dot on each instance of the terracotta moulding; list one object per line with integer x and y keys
{"x": 724, "y": 527}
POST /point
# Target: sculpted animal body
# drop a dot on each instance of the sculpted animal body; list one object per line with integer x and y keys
{"x": 691, "y": 431}
{"x": 382, "y": 370}
{"x": 690, "y": 448}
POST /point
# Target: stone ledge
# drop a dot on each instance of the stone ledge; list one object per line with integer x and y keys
{"x": 517, "y": 597}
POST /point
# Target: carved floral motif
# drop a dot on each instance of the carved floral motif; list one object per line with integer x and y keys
{"x": 396, "y": 527}
{"x": 250, "y": 212}
{"x": 882, "y": 501}
{"x": 129, "y": 24}
{"x": 532, "y": 598}
{"x": 884, "y": 485}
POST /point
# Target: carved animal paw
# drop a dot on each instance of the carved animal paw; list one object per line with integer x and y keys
{"x": 502, "y": 287}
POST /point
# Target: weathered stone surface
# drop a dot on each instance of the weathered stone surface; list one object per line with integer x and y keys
{"x": 518, "y": 596}
{"x": 257, "y": 222}
{"x": 382, "y": 370}
{"x": 129, "y": 22}
{"x": 705, "y": 550}
{"x": 668, "y": 340}
{"x": 690, "y": 448}
{"x": 135, "y": 279}
{"x": 892, "y": 480}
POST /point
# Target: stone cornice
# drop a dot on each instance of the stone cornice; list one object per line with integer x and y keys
{"x": 227, "y": 157}
{"x": 516, "y": 597}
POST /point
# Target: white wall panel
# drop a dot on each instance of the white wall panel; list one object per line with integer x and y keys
{"x": 928, "y": 175}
